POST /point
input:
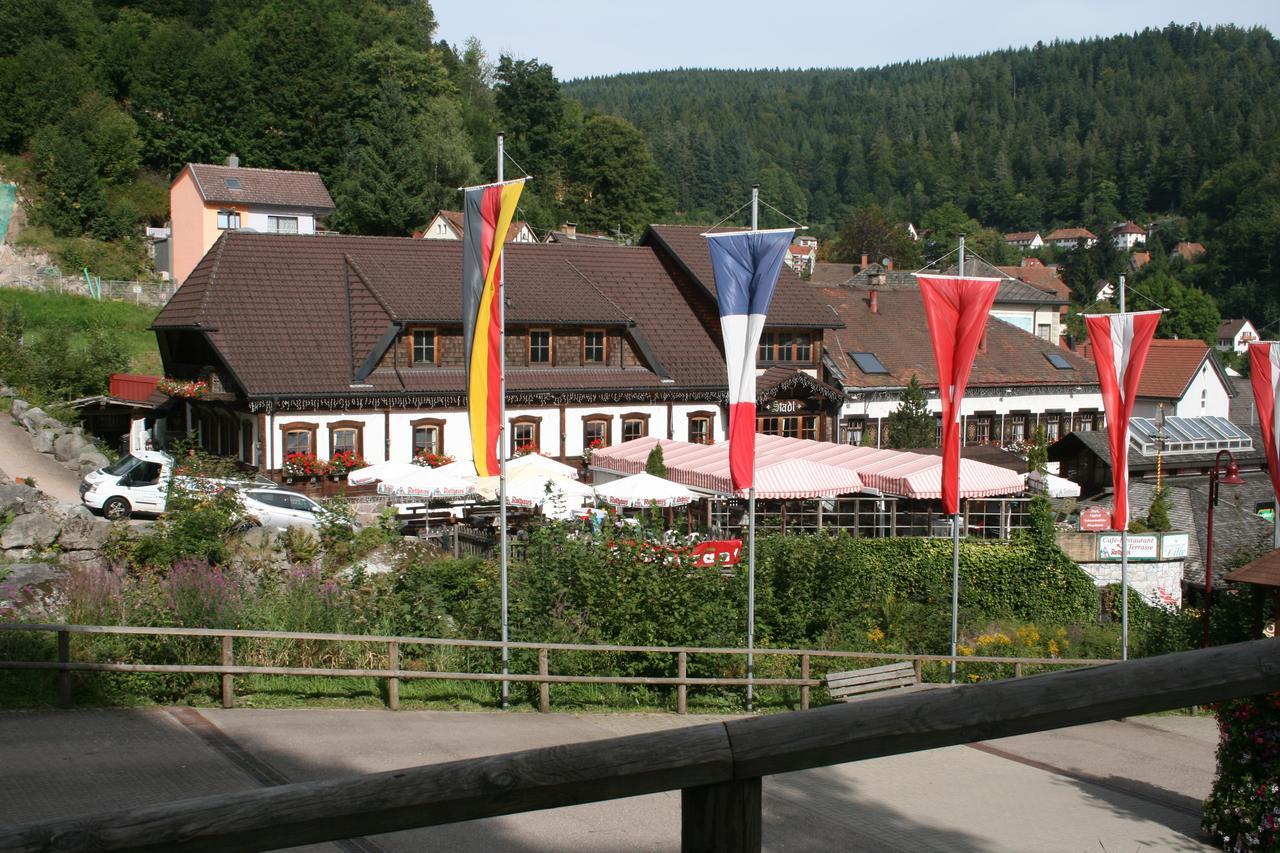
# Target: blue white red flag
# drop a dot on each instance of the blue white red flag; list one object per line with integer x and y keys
{"x": 746, "y": 266}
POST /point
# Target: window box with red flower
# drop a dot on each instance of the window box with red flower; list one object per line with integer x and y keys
{"x": 344, "y": 462}
{"x": 430, "y": 459}
{"x": 303, "y": 466}
{"x": 526, "y": 449}
{"x": 189, "y": 389}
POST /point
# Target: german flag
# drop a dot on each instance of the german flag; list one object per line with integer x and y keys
{"x": 488, "y": 211}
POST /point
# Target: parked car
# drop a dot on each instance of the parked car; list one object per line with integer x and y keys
{"x": 140, "y": 482}
{"x": 282, "y": 509}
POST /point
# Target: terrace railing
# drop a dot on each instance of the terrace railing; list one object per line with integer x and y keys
{"x": 395, "y": 672}
{"x": 718, "y": 767}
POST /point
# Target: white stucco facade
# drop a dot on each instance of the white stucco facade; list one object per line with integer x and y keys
{"x": 1206, "y": 395}
{"x": 272, "y": 220}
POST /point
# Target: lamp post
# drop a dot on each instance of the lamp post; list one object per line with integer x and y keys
{"x": 1231, "y": 478}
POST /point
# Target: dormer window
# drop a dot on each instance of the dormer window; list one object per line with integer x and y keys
{"x": 228, "y": 220}
{"x": 539, "y": 346}
{"x": 282, "y": 224}
{"x": 424, "y": 350}
{"x": 593, "y": 346}
{"x": 786, "y": 347}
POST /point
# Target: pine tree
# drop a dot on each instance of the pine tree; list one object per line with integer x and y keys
{"x": 911, "y": 425}
{"x": 654, "y": 464}
{"x": 1158, "y": 514}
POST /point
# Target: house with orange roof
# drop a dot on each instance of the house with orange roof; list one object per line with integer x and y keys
{"x": 1126, "y": 235}
{"x": 1189, "y": 251}
{"x": 208, "y": 200}
{"x": 802, "y": 254}
{"x": 447, "y": 225}
{"x": 1024, "y": 240}
{"x": 1186, "y": 379}
{"x": 1071, "y": 238}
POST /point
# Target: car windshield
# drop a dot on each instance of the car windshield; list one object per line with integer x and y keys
{"x": 122, "y": 466}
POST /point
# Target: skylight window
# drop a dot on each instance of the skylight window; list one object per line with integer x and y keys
{"x": 868, "y": 362}
{"x": 1058, "y": 361}
{"x": 232, "y": 183}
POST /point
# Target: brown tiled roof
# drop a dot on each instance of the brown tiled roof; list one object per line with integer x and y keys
{"x": 1230, "y": 328}
{"x": 826, "y": 272}
{"x": 793, "y": 301}
{"x": 1042, "y": 277}
{"x": 1264, "y": 571}
{"x": 1189, "y": 251}
{"x": 1170, "y": 367}
{"x": 1014, "y": 290}
{"x": 1138, "y": 260}
{"x": 1071, "y": 234}
{"x": 261, "y": 186}
{"x": 1129, "y": 228}
{"x": 899, "y": 337}
{"x": 295, "y": 315}
{"x": 1021, "y": 236}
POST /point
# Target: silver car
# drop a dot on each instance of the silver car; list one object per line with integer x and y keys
{"x": 283, "y": 509}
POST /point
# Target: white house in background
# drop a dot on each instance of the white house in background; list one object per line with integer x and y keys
{"x": 1025, "y": 240}
{"x": 1236, "y": 335}
{"x": 802, "y": 254}
{"x": 1104, "y": 291}
{"x": 447, "y": 225}
{"x": 1127, "y": 235}
{"x": 911, "y": 229}
{"x": 1186, "y": 378}
{"x": 1071, "y": 238}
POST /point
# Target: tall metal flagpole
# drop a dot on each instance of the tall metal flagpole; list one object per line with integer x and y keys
{"x": 1124, "y": 542}
{"x": 502, "y": 443}
{"x": 751, "y": 516}
{"x": 955, "y": 539}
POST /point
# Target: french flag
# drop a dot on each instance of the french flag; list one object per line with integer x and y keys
{"x": 746, "y": 266}
{"x": 1120, "y": 343}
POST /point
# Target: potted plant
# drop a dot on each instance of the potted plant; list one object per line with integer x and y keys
{"x": 299, "y": 465}
{"x": 431, "y": 459}
{"x": 189, "y": 389}
{"x": 343, "y": 462}
{"x": 526, "y": 449}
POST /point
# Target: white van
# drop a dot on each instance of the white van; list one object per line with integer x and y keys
{"x": 138, "y": 483}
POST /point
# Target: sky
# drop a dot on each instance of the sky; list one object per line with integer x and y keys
{"x": 584, "y": 40}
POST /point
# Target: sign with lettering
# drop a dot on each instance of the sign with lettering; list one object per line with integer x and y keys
{"x": 1141, "y": 546}
{"x": 1173, "y": 546}
{"x": 790, "y": 407}
{"x": 1095, "y": 518}
{"x": 717, "y": 552}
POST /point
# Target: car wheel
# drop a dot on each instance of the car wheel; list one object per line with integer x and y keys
{"x": 116, "y": 508}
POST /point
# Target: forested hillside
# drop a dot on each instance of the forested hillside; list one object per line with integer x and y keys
{"x": 103, "y": 101}
{"x": 1181, "y": 124}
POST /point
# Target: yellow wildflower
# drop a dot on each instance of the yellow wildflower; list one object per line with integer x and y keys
{"x": 875, "y": 635}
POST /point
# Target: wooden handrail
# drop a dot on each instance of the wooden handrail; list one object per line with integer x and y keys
{"x": 717, "y": 766}
{"x": 496, "y": 644}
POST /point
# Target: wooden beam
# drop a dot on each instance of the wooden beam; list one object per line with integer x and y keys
{"x": 721, "y": 818}
{"x": 310, "y": 812}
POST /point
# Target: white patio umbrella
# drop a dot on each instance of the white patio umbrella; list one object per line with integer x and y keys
{"x": 381, "y": 471}
{"x": 643, "y": 490}
{"x": 1052, "y": 485}
{"x": 426, "y": 483}
{"x": 544, "y": 464}
{"x": 558, "y": 496}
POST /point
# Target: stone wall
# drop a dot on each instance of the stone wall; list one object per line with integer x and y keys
{"x": 69, "y": 445}
{"x": 1160, "y": 583}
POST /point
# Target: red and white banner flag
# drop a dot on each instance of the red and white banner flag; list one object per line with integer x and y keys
{"x": 1120, "y": 343}
{"x": 956, "y": 309}
{"x": 1264, "y": 373}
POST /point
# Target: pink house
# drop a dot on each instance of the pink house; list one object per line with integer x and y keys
{"x": 205, "y": 200}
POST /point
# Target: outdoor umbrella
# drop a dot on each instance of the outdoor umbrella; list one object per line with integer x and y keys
{"x": 426, "y": 483}
{"x": 558, "y": 496}
{"x": 381, "y": 471}
{"x": 543, "y": 464}
{"x": 642, "y": 490}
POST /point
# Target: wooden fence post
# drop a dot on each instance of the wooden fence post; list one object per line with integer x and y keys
{"x": 682, "y": 689}
{"x": 1017, "y": 670}
{"x": 723, "y": 817}
{"x": 393, "y": 683}
{"x": 804, "y": 691}
{"x": 919, "y": 671}
{"x": 228, "y": 686}
{"x": 544, "y": 689}
{"x": 64, "y": 675}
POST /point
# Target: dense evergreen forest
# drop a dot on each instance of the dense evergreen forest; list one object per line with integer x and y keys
{"x": 102, "y": 101}
{"x": 1179, "y": 127}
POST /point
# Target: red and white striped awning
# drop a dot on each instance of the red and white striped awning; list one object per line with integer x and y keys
{"x": 893, "y": 472}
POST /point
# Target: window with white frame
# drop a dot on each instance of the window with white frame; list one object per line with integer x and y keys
{"x": 424, "y": 346}
{"x": 228, "y": 220}
{"x": 282, "y": 224}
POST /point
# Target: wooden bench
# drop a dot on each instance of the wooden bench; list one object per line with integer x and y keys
{"x": 854, "y": 684}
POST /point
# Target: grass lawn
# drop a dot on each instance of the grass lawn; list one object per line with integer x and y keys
{"x": 65, "y": 314}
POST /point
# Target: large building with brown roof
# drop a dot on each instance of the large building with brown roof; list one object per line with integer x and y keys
{"x": 206, "y": 200}
{"x": 1019, "y": 381}
{"x": 356, "y": 344}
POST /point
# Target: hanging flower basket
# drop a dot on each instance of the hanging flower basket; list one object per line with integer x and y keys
{"x": 429, "y": 459}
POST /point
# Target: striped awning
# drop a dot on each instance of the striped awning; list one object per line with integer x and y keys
{"x": 800, "y": 478}
{"x": 893, "y": 472}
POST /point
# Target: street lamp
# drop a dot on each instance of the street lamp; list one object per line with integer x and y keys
{"x": 1231, "y": 478}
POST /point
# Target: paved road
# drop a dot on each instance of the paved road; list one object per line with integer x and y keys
{"x": 1118, "y": 786}
{"x": 18, "y": 460}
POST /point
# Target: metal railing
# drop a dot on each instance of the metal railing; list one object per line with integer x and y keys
{"x": 153, "y": 293}
{"x": 717, "y": 767}
{"x": 394, "y": 672}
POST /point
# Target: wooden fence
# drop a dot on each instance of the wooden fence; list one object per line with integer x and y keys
{"x": 394, "y": 672}
{"x": 717, "y": 767}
